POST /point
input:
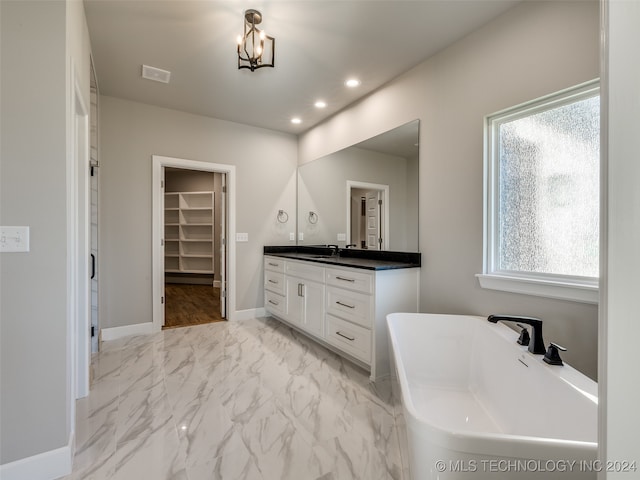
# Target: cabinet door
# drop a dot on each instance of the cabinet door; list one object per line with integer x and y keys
{"x": 305, "y": 304}
{"x": 313, "y": 319}
{"x": 295, "y": 300}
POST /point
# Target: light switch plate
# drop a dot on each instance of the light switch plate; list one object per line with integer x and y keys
{"x": 14, "y": 239}
{"x": 342, "y": 237}
{"x": 300, "y": 236}
{"x": 292, "y": 236}
{"x": 242, "y": 237}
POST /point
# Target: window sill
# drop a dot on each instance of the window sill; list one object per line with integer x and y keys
{"x": 541, "y": 288}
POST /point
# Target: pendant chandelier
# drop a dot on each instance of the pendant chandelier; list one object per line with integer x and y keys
{"x": 256, "y": 49}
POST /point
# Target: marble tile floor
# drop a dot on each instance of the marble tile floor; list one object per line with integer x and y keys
{"x": 233, "y": 400}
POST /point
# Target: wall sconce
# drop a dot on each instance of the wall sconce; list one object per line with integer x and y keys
{"x": 313, "y": 218}
{"x": 256, "y": 49}
{"x": 283, "y": 217}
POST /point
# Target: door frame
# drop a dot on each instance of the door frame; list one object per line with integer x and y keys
{"x": 158, "y": 163}
{"x": 384, "y": 189}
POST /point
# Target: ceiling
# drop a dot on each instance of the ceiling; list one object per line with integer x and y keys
{"x": 319, "y": 44}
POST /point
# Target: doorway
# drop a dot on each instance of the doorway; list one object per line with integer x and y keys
{"x": 194, "y": 250}
{"x": 184, "y": 219}
{"x": 367, "y": 215}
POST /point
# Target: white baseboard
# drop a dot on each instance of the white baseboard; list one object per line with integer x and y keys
{"x": 113, "y": 333}
{"x": 250, "y": 313}
{"x": 127, "y": 330}
{"x": 43, "y": 466}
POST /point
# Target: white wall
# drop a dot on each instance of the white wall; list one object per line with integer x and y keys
{"x": 534, "y": 49}
{"x": 620, "y": 322}
{"x": 130, "y": 133}
{"x": 40, "y": 40}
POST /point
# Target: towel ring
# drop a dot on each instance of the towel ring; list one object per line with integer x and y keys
{"x": 313, "y": 218}
{"x": 283, "y": 217}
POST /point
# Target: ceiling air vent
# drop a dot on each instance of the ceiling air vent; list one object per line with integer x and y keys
{"x": 156, "y": 74}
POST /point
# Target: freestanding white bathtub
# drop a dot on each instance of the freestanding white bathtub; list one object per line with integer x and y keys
{"x": 477, "y": 405}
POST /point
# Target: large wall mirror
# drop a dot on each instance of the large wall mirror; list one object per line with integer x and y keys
{"x": 365, "y": 196}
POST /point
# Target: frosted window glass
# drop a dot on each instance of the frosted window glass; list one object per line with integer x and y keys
{"x": 549, "y": 191}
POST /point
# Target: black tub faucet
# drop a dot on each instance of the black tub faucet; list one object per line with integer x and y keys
{"x": 536, "y": 344}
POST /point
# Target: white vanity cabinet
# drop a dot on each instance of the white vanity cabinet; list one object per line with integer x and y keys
{"x": 341, "y": 307}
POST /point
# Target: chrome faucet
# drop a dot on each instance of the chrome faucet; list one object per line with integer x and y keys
{"x": 536, "y": 344}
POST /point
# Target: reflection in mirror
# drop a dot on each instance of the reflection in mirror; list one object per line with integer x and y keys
{"x": 365, "y": 196}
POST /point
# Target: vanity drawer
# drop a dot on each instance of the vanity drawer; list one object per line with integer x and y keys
{"x": 274, "y": 264}
{"x": 350, "y": 338}
{"x": 274, "y": 282}
{"x": 305, "y": 270}
{"x": 275, "y": 303}
{"x": 352, "y": 306}
{"x": 351, "y": 279}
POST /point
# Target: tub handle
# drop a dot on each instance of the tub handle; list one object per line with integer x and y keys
{"x": 552, "y": 357}
{"x": 351, "y": 339}
{"x": 524, "y": 338}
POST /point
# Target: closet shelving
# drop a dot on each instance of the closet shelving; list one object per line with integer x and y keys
{"x": 188, "y": 232}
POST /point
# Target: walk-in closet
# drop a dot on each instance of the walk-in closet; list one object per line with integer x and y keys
{"x": 192, "y": 246}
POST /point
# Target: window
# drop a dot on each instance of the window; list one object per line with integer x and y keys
{"x": 542, "y": 188}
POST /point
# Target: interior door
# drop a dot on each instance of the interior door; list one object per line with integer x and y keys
{"x": 374, "y": 237}
{"x": 93, "y": 193}
{"x": 162, "y": 246}
{"x": 223, "y": 248}
{"x": 93, "y": 232}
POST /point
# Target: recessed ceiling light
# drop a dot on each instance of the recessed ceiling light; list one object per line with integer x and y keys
{"x": 320, "y": 104}
{"x": 352, "y": 83}
{"x": 296, "y": 120}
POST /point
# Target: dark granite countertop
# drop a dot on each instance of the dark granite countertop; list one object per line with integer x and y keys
{"x": 364, "y": 259}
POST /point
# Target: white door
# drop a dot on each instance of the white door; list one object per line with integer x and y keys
{"x": 313, "y": 310}
{"x": 162, "y": 245}
{"x": 374, "y": 237}
{"x": 223, "y": 248}
{"x": 93, "y": 233}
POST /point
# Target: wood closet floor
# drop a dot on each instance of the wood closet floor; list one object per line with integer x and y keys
{"x": 190, "y": 305}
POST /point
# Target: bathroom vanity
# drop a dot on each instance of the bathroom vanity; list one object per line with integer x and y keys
{"x": 341, "y": 299}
